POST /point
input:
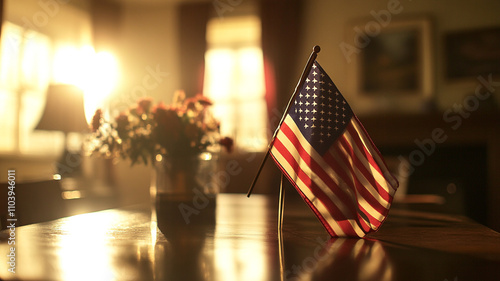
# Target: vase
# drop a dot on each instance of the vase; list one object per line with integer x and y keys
{"x": 184, "y": 193}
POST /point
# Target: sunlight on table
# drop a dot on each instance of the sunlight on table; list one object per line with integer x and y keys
{"x": 84, "y": 247}
{"x": 242, "y": 259}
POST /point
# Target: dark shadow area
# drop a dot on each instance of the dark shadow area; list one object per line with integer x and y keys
{"x": 457, "y": 173}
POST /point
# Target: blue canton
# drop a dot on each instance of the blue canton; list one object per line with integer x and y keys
{"x": 320, "y": 111}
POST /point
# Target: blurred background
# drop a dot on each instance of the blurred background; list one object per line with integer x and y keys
{"x": 421, "y": 76}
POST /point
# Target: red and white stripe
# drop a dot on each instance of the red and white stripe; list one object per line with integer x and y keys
{"x": 349, "y": 188}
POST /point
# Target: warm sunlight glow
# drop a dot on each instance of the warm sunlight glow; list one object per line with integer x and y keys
{"x": 95, "y": 73}
{"x": 84, "y": 254}
{"x": 10, "y": 53}
{"x": 103, "y": 78}
{"x": 35, "y": 60}
{"x": 65, "y": 66}
{"x": 234, "y": 80}
{"x": 220, "y": 64}
{"x": 251, "y": 62}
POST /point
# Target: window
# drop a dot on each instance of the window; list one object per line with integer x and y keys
{"x": 29, "y": 61}
{"x": 234, "y": 80}
{"x": 24, "y": 76}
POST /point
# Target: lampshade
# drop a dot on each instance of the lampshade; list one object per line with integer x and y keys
{"x": 64, "y": 110}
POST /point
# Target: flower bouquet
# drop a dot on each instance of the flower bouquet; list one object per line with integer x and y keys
{"x": 185, "y": 127}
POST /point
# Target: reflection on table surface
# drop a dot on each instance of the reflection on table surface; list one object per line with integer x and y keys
{"x": 124, "y": 244}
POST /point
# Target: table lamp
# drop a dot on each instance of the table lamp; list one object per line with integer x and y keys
{"x": 64, "y": 112}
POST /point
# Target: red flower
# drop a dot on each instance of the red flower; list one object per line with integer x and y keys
{"x": 144, "y": 105}
{"x": 191, "y": 103}
{"x": 203, "y": 100}
{"x": 227, "y": 143}
{"x": 96, "y": 120}
{"x": 169, "y": 126}
{"x": 121, "y": 124}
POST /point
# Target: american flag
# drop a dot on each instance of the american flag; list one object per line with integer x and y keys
{"x": 329, "y": 158}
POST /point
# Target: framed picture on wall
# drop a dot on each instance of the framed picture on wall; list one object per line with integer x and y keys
{"x": 471, "y": 53}
{"x": 392, "y": 70}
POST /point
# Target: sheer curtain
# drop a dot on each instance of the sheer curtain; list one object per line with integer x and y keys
{"x": 24, "y": 61}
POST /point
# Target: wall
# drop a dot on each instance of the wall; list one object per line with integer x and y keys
{"x": 148, "y": 52}
{"x": 327, "y": 24}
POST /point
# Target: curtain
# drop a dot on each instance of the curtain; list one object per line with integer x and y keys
{"x": 106, "y": 18}
{"x": 1, "y": 16}
{"x": 281, "y": 26}
{"x": 193, "y": 18}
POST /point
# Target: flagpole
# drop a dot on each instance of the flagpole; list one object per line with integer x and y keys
{"x": 306, "y": 70}
{"x": 281, "y": 209}
{"x": 281, "y": 251}
{"x": 281, "y": 206}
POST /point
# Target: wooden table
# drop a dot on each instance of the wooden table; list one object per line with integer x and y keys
{"x": 123, "y": 244}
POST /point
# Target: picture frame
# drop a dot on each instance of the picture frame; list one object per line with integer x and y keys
{"x": 471, "y": 53}
{"x": 392, "y": 68}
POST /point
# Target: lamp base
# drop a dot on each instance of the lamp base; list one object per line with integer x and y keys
{"x": 69, "y": 165}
